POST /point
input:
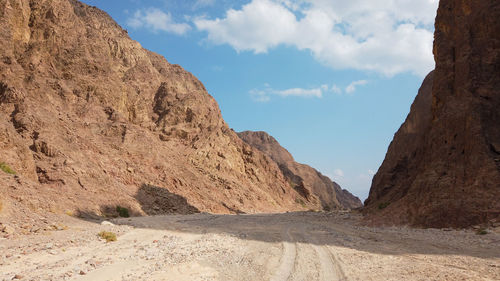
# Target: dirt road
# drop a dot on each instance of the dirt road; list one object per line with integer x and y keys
{"x": 294, "y": 246}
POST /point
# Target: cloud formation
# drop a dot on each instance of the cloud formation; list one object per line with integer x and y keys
{"x": 351, "y": 88}
{"x": 299, "y": 92}
{"x": 156, "y": 20}
{"x": 264, "y": 95}
{"x": 335, "y": 89}
{"x": 388, "y": 37}
{"x": 338, "y": 173}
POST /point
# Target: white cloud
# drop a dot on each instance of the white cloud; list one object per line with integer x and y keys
{"x": 337, "y": 176}
{"x": 217, "y": 68}
{"x": 260, "y": 95}
{"x": 352, "y": 87}
{"x": 260, "y": 25}
{"x": 265, "y": 94}
{"x": 338, "y": 173}
{"x": 387, "y": 37}
{"x": 156, "y": 20}
{"x": 335, "y": 89}
{"x": 368, "y": 176}
{"x": 299, "y": 92}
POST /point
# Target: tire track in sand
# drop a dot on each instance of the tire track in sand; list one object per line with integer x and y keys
{"x": 330, "y": 267}
{"x": 287, "y": 259}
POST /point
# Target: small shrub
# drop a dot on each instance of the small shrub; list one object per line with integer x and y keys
{"x": 481, "y": 231}
{"x": 123, "y": 212}
{"x": 300, "y": 201}
{"x": 108, "y": 236}
{"x": 4, "y": 167}
{"x": 383, "y": 205}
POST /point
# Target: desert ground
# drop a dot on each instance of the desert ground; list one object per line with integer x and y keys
{"x": 289, "y": 246}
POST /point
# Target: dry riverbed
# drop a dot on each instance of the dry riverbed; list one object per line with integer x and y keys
{"x": 293, "y": 246}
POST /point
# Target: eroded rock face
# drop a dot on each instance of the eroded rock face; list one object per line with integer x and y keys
{"x": 443, "y": 166}
{"x": 315, "y": 187}
{"x": 91, "y": 120}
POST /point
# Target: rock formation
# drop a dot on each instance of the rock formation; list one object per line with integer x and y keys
{"x": 90, "y": 120}
{"x": 443, "y": 167}
{"x": 314, "y": 186}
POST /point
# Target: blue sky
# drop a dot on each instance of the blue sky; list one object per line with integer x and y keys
{"x": 331, "y": 80}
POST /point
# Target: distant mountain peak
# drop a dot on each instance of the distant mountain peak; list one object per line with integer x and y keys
{"x": 306, "y": 180}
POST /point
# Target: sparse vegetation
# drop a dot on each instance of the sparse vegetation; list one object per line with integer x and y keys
{"x": 1, "y": 206}
{"x": 108, "y": 236}
{"x": 122, "y": 212}
{"x": 384, "y": 205}
{"x": 301, "y": 202}
{"x": 4, "y": 167}
{"x": 481, "y": 231}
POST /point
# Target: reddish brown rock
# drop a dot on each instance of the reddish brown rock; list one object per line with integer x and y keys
{"x": 315, "y": 187}
{"x": 443, "y": 166}
{"x": 91, "y": 120}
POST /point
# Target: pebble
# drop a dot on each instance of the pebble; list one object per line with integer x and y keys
{"x": 8, "y": 229}
{"x": 35, "y": 229}
{"x": 106, "y": 223}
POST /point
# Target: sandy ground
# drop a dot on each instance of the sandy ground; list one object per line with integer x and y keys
{"x": 293, "y": 246}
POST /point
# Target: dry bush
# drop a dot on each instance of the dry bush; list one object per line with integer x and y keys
{"x": 4, "y": 167}
{"x": 108, "y": 236}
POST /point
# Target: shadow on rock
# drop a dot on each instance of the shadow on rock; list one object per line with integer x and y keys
{"x": 148, "y": 200}
{"x": 155, "y": 200}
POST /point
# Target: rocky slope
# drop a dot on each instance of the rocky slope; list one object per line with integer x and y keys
{"x": 443, "y": 166}
{"x": 90, "y": 120}
{"x": 314, "y": 186}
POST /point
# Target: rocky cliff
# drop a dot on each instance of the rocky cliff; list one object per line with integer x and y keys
{"x": 90, "y": 120}
{"x": 443, "y": 166}
{"x": 314, "y": 186}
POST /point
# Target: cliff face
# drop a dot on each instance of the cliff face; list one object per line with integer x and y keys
{"x": 443, "y": 166}
{"x": 315, "y": 187}
{"x": 89, "y": 120}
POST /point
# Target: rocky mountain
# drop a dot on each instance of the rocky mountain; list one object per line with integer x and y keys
{"x": 90, "y": 120}
{"x": 443, "y": 167}
{"x": 314, "y": 186}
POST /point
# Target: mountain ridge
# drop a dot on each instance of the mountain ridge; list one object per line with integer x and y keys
{"x": 91, "y": 120}
{"x": 305, "y": 179}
